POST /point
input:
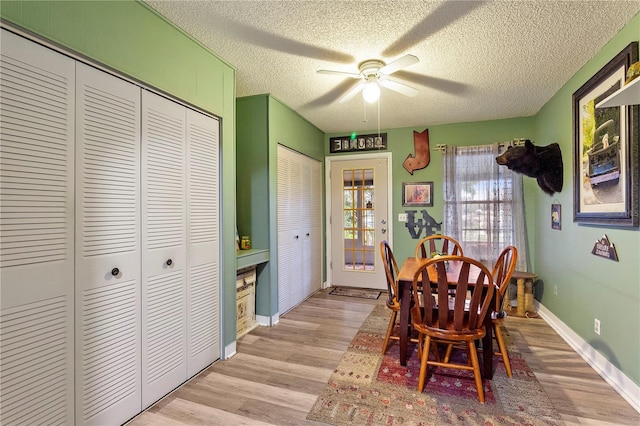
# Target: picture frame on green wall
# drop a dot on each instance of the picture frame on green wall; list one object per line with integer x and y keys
{"x": 605, "y": 149}
{"x": 417, "y": 194}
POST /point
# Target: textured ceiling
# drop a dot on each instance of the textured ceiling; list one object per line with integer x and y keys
{"x": 478, "y": 60}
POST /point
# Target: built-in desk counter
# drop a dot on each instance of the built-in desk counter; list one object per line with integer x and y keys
{"x": 251, "y": 257}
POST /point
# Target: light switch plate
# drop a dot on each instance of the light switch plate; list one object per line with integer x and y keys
{"x": 402, "y": 217}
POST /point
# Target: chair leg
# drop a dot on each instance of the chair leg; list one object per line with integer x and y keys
{"x": 392, "y": 324}
{"x": 476, "y": 370}
{"x": 423, "y": 363}
{"x": 503, "y": 349}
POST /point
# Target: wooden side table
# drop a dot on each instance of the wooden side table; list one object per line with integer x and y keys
{"x": 525, "y": 293}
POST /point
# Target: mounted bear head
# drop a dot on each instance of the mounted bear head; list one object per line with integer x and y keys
{"x": 541, "y": 162}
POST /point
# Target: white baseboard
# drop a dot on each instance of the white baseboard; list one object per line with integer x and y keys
{"x": 230, "y": 350}
{"x": 609, "y": 372}
{"x": 267, "y": 321}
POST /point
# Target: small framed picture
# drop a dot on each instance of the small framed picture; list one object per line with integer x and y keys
{"x": 418, "y": 194}
{"x": 556, "y": 219}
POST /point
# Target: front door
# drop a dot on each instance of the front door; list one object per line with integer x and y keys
{"x": 359, "y": 210}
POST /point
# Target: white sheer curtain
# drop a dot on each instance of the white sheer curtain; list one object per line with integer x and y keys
{"x": 483, "y": 203}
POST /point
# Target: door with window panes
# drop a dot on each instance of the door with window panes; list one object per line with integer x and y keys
{"x": 358, "y": 222}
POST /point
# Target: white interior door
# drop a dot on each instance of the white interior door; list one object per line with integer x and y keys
{"x": 164, "y": 254}
{"x": 203, "y": 241}
{"x": 107, "y": 248}
{"x": 36, "y": 230}
{"x": 359, "y": 210}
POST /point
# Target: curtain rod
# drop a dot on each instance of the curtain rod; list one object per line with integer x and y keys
{"x": 514, "y": 142}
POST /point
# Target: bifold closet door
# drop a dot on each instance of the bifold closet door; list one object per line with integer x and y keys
{"x": 289, "y": 232}
{"x": 299, "y": 228}
{"x": 312, "y": 227}
{"x": 108, "y": 272}
{"x": 36, "y": 229}
{"x": 164, "y": 255}
{"x": 203, "y": 242}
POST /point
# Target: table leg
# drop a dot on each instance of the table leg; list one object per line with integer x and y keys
{"x": 405, "y": 302}
{"x": 487, "y": 348}
{"x": 521, "y": 307}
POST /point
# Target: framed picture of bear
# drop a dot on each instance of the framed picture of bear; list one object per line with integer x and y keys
{"x": 605, "y": 149}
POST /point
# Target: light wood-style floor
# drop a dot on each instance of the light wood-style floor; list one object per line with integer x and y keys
{"x": 278, "y": 372}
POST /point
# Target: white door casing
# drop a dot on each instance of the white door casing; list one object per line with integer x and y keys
{"x": 354, "y": 258}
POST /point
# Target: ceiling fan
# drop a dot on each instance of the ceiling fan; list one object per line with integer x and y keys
{"x": 373, "y": 74}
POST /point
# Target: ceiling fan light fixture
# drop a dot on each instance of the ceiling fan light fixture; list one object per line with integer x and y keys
{"x": 371, "y": 92}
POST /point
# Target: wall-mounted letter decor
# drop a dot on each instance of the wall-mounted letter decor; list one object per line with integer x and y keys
{"x": 416, "y": 226}
{"x": 422, "y": 155}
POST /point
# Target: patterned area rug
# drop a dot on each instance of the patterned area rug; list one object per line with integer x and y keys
{"x": 370, "y": 389}
{"x": 362, "y": 293}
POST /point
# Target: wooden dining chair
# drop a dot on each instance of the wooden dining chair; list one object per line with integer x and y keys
{"x": 393, "y": 303}
{"x": 502, "y": 272}
{"x": 460, "y": 323}
{"x": 437, "y": 244}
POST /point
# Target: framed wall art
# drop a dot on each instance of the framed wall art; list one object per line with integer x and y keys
{"x": 605, "y": 149}
{"x": 417, "y": 194}
{"x": 556, "y": 217}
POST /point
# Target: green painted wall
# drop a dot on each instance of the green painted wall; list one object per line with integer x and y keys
{"x": 400, "y": 144}
{"x": 588, "y": 286}
{"x": 133, "y": 39}
{"x": 263, "y": 122}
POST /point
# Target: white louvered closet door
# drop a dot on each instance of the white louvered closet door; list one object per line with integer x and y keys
{"x": 312, "y": 228}
{"x": 164, "y": 267}
{"x": 299, "y": 228}
{"x": 203, "y": 249}
{"x": 36, "y": 234}
{"x": 108, "y": 272}
{"x": 288, "y": 245}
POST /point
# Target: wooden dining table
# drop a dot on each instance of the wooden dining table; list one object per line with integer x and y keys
{"x": 405, "y": 284}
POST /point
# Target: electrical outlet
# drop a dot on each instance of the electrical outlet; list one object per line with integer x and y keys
{"x": 402, "y": 217}
{"x": 596, "y": 326}
{"x": 555, "y": 290}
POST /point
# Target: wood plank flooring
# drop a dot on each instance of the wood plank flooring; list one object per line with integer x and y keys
{"x": 278, "y": 372}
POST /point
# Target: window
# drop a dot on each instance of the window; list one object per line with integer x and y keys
{"x": 483, "y": 203}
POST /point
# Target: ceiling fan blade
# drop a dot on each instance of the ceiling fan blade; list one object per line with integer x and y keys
{"x": 399, "y": 87}
{"x": 351, "y": 93}
{"x": 398, "y": 64}
{"x": 340, "y": 73}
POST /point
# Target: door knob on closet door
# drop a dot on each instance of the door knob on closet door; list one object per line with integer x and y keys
{"x": 115, "y": 271}
{"x": 169, "y": 262}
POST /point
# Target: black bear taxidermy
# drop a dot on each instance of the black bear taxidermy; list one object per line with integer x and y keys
{"x": 541, "y": 162}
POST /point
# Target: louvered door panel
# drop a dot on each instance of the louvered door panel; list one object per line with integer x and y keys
{"x": 108, "y": 272}
{"x": 203, "y": 260}
{"x": 299, "y": 228}
{"x": 36, "y": 234}
{"x": 164, "y": 266}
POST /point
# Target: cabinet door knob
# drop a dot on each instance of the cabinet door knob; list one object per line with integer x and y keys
{"x": 297, "y": 236}
{"x": 115, "y": 271}
{"x": 169, "y": 262}
{"x": 307, "y": 234}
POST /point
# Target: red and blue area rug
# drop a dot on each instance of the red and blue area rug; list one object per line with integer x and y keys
{"x": 368, "y": 388}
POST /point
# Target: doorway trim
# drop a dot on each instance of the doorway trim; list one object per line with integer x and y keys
{"x": 327, "y": 175}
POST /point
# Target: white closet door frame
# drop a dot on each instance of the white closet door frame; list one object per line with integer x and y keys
{"x": 36, "y": 230}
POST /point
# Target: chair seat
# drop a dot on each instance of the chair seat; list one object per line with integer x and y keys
{"x": 450, "y": 334}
